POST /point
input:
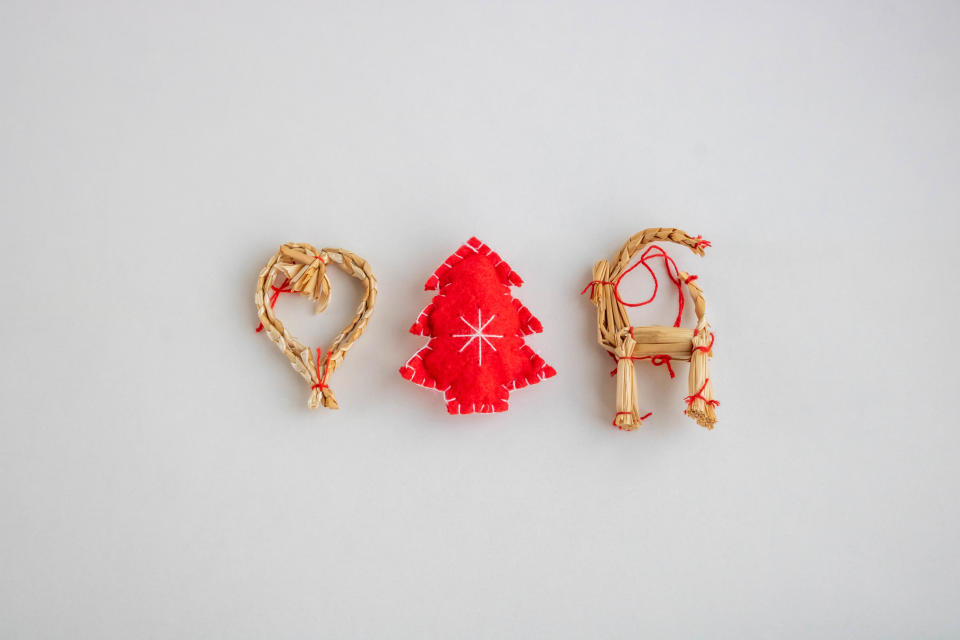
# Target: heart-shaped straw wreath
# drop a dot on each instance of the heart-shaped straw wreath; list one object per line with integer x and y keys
{"x": 299, "y": 268}
{"x": 658, "y": 344}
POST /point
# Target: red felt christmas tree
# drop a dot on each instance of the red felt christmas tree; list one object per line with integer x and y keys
{"x": 476, "y": 354}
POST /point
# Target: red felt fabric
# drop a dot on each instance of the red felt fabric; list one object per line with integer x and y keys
{"x": 476, "y": 353}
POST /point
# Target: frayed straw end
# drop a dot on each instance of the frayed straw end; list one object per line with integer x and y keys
{"x": 322, "y": 301}
{"x": 327, "y": 399}
{"x": 628, "y": 421}
{"x": 322, "y": 291}
{"x": 705, "y": 418}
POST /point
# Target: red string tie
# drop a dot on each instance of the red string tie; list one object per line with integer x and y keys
{"x": 662, "y": 359}
{"x": 283, "y": 288}
{"x": 690, "y": 279}
{"x": 701, "y": 243}
{"x": 322, "y": 384}
{"x": 594, "y": 283}
{"x": 707, "y": 348}
{"x": 698, "y": 396}
{"x": 656, "y": 361}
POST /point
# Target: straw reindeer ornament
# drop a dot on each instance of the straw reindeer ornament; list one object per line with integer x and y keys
{"x": 299, "y": 268}
{"x": 658, "y": 344}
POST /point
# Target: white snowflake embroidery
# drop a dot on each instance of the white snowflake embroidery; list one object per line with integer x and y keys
{"x": 478, "y": 335}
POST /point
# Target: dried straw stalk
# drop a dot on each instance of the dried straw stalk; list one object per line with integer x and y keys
{"x": 300, "y": 268}
{"x": 627, "y": 343}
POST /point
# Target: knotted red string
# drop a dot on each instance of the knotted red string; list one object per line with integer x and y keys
{"x": 707, "y": 348}
{"x": 657, "y": 360}
{"x": 701, "y": 243}
{"x": 662, "y": 359}
{"x": 689, "y": 399}
{"x": 283, "y": 288}
{"x": 668, "y": 264}
{"x": 322, "y": 384}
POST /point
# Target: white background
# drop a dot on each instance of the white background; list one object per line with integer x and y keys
{"x": 161, "y": 476}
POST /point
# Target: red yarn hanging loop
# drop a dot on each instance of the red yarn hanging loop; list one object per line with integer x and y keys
{"x": 673, "y": 272}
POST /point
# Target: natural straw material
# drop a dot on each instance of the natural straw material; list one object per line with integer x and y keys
{"x": 628, "y": 344}
{"x": 299, "y": 268}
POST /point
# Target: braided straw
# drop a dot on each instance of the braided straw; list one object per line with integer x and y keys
{"x": 627, "y": 343}
{"x": 302, "y": 269}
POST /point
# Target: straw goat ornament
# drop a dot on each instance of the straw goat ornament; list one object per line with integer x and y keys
{"x": 661, "y": 345}
{"x": 299, "y": 268}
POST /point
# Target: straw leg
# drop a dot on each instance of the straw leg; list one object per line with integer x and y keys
{"x": 701, "y": 403}
{"x": 628, "y": 415}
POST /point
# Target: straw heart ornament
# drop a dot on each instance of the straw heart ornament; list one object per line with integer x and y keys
{"x": 300, "y": 268}
{"x": 660, "y": 345}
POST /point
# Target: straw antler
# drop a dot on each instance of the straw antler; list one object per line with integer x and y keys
{"x": 303, "y": 270}
{"x": 627, "y": 343}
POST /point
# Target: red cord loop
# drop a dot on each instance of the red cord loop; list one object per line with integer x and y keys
{"x": 672, "y": 272}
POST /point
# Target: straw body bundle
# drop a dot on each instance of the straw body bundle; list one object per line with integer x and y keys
{"x": 300, "y": 268}
{"x": 660, "y": 344}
